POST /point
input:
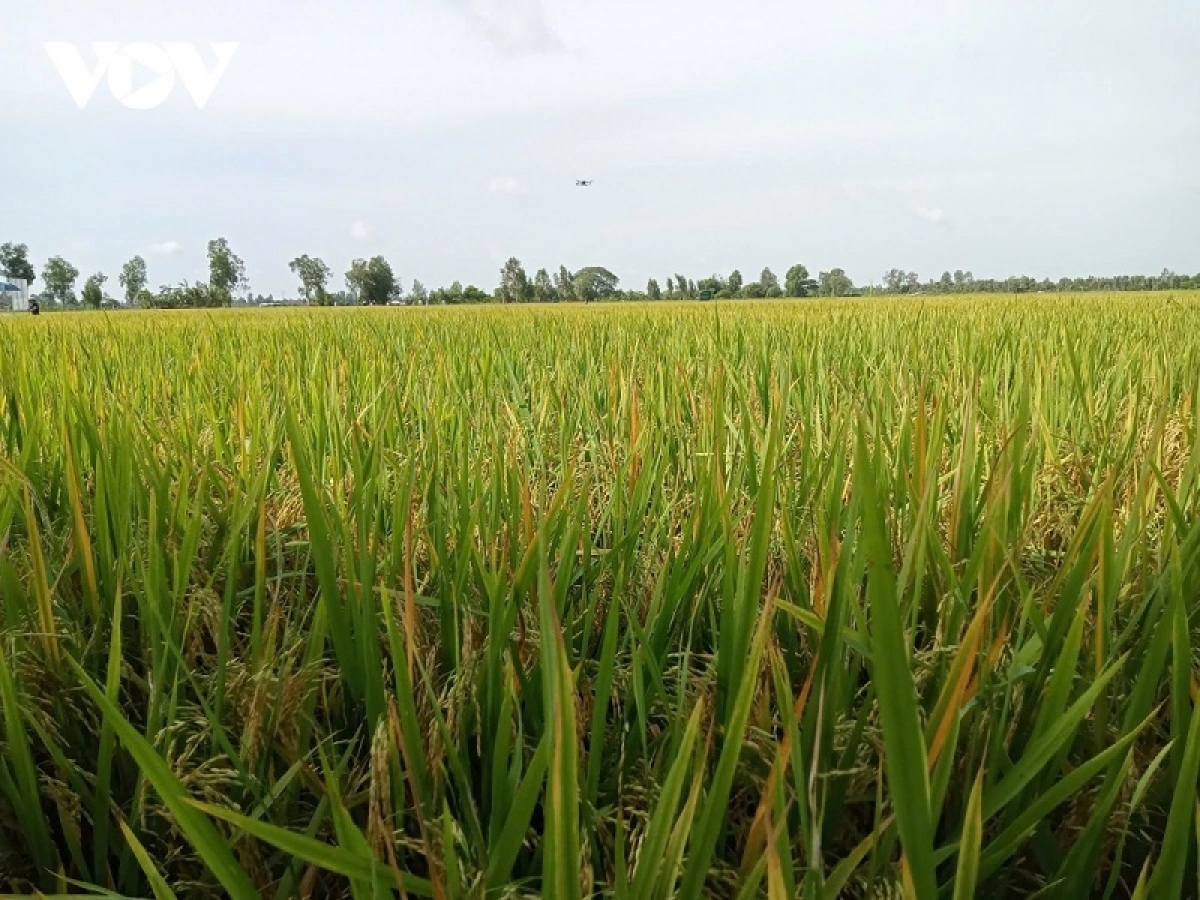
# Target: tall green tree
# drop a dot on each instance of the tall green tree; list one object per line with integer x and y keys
{"x": 835, "y": 283}
{"x": 313, "y": 275}
{"x": 372, "y": 281}
{"x": 59, "y": 277}
{"x": 226, "y": 273}
{"x": 14, "y": 262}
{"x": 653, "y": 291}
{"x": 92, "y": 295}
{"x": 133, "y": 279}
{"x": 418, "y": 295}
{"x": 514, "y": 283}
{"x": 356, "y": 279}
{"x": 798, "y": 283}
{"x": 543, "y": 287}
{"x": 734, "y": 284}
{"x": 595, "y": 283}
{"x": 564, "y": 284}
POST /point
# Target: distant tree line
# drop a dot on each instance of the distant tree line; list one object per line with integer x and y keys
{"x": 373, "y": 282}
{"x": 227, "y": 274}
{"x": 896, "y": 281}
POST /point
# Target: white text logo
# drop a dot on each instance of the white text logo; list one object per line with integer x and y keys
{"x": 140, "y": 75}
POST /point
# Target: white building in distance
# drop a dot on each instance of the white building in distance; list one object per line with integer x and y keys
{"x": 15, "y": 290}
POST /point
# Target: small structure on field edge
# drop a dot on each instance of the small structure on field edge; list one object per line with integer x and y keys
{"x": 16, "y": 292}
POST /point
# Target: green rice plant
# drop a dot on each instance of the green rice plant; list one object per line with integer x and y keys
{"x": 847, "y": 598}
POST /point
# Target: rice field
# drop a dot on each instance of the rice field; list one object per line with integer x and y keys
{"x": 793, "y": 599}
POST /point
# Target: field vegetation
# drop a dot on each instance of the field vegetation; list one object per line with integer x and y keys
{"x": 796, "y": 599}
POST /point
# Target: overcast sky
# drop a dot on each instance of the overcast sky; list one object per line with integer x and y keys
{"x": 1015, "y": 137}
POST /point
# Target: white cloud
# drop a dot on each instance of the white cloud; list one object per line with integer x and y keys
{"x": 930, "y": 214}
{"x": 165, "y": 248}
{"x": 515, "y": 26}
{"x": 506, "y": 187}
{"x": 359, "y": 230}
